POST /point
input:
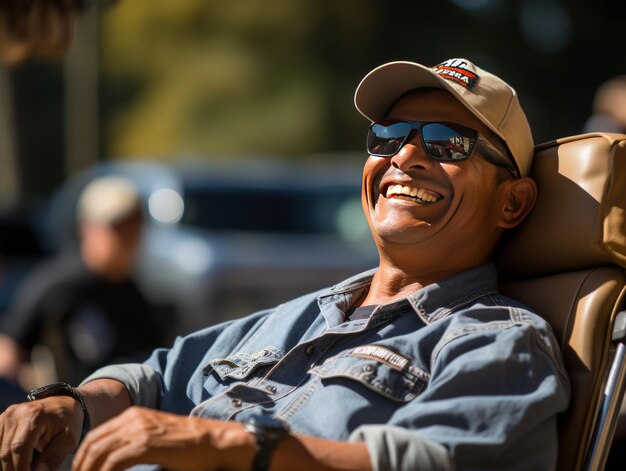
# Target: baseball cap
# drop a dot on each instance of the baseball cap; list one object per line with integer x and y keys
{"x": 108, "y": 200}
{"x": 489, "y": 98}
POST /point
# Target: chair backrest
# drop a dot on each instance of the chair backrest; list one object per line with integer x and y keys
{"x": 567, "y": 262}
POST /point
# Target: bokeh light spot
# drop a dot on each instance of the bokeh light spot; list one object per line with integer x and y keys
{"x": 166, "y": 206}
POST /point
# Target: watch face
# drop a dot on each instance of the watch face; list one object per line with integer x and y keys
{"x": 54, "y": 389}
{"x": 268, "y": 431}
{"x": 266, "y": 422}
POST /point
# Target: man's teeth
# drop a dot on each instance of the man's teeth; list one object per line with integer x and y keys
{"x": 418, "y": 193}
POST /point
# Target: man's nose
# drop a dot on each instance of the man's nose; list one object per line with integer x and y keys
{"x": 412, "y": 155}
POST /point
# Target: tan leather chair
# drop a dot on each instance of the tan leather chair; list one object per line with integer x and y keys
{"x": 567, "y": 262}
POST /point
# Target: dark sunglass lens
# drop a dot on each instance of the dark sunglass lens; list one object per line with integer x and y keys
{"x": 444, "y": 143}
{"x": 386, "y": 141}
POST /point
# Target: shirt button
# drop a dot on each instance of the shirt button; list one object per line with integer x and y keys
{"x": 368, "y": 369}
{"x": 309, "y": 350}
{"x": 270, "y": 389}
{"x": 236, "y": 402}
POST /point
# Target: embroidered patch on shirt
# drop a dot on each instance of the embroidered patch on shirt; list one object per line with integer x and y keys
{"x": 240, "y": 364}
{"x": 457, "y": 71}
{"x": 382, "y": 354}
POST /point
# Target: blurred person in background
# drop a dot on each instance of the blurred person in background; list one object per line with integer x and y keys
{"x": 37, "y": 28}
{"x": 10, "y": 393}
{"x": 609, "y": 107}
{"x": 83, "y": 305}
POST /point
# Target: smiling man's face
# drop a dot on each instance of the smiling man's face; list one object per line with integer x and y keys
{"x": 444, "y": 208}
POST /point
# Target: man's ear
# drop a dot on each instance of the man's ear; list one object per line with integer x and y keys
{"x": 519, "y": 196}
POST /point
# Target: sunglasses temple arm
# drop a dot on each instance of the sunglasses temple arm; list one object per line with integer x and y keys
{"x": 505, "y": 160}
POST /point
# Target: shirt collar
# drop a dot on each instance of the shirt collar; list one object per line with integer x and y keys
{"x": 446, "y": 296}
{"x": 430, "y": 303}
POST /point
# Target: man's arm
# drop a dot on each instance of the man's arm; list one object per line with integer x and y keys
{"x": 122, "y": 436}
{"x": 105, "y": 399}
{"x": 182, "y": 443}
{"x": 52, "y": 426}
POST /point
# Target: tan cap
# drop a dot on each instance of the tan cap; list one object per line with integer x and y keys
{"x": 488, "y": 97}
{"x": 108, "y": 200}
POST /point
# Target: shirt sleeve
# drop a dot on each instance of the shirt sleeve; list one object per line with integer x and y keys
{"x": 491, "y": 403}
{"x": 142, "y": 382}
{"x": 400, "y": 449}
{"x": 163, "y": 380}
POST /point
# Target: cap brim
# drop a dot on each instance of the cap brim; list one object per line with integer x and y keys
{"x": 383, "y": 86}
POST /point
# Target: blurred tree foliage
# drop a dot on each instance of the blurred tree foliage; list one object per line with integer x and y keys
{"x": 218, "y": 77}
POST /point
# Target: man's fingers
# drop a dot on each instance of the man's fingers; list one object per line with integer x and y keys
{"x": 19, "y": 444}
{"x": 85, "y": 452}
{"x": 109, "y": 436}
{"x": 118, "y": 443}
{"x": 54, "y": 453}
{"x": 93, "y": 453}
{"x": 39, "y": 425}
{"x": 97, "y": 443}
{"x": 3, "y": 449}
{"x": 120, "y": 459}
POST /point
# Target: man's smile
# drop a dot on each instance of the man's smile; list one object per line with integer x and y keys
{"x": 410, "y": 193}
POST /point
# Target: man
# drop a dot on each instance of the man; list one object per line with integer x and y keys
{"x": 609, "y": 107}
{"x": 419, "y": 364}
{"x": 83, "y": 305}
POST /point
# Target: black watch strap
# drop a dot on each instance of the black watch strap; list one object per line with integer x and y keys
{"x": 268, "y": 432}
{"x": 63, "y": 389}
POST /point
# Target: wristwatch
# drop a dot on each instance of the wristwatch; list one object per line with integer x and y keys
{"x": 268, "y": 432}
{"x": 63, "y": 389}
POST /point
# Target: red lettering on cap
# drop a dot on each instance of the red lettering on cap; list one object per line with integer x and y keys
{"x": 456, "y": 72}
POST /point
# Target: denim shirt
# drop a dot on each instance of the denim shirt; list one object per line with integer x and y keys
{"x": 454, "y": 376}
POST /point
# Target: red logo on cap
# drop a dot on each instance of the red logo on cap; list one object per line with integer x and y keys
{"x": 457, "y": 71}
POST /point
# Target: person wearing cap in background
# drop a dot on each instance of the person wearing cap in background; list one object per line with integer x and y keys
{"x": 417, "y": 364}
{"x": 609, "y": 107}
{"x": 83, "y": 305}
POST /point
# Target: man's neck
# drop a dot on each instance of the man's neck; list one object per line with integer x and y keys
{"x": 391, "y": 283}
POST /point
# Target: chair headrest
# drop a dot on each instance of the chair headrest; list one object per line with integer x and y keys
{"x": 579, "y": 220}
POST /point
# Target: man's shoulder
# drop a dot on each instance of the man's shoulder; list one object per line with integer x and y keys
{"x": 501, "y": 318}
{"x": 497, "y": 317}
{"x": 495, "y": 307}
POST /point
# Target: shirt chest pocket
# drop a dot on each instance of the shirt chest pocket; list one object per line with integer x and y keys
{"x": 397, "y": 384}
{"x": 240, "y": 366}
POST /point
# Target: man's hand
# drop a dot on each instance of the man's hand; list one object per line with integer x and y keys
{"x": 175, "y": 442}
{"x": 51, "y": 426}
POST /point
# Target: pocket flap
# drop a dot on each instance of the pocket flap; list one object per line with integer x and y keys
{"x": 397, "y": 385}
{"x": 240, "y": 365}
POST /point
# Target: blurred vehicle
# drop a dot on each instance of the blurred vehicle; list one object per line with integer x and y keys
{"x": 227, "y": 240}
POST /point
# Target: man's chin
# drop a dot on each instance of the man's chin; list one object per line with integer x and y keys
{"x": 413, "y": 235}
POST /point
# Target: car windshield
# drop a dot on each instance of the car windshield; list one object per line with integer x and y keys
{"x": 285, "y": 210}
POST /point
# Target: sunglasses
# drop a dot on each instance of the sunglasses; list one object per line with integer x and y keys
{"x": 444, "y": 142}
